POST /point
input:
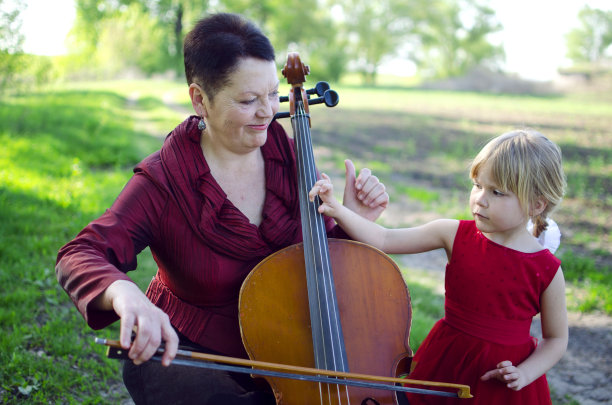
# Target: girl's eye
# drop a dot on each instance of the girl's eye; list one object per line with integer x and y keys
{"x": 498, "y": 193}
{"x": 478, "y": 186}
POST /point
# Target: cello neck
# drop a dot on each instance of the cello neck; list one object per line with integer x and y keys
{"x": 328, "y": 340}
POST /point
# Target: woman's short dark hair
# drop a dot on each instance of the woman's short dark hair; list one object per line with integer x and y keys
{"x": 213, "y": 48}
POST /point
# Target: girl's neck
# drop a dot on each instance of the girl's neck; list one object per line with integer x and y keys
{"x": 518, "y": 239}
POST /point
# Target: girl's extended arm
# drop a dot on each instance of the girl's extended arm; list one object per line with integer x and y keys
{"x": 549, "y": 350}
{"x": 433, "y": 235}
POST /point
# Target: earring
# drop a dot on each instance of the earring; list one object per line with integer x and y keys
{"x": 202, "y": 124}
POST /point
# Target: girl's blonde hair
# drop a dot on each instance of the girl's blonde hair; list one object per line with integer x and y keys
{"x": 528, "y": 164}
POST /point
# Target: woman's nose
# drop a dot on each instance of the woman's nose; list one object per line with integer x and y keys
{"x": 265, "y": 109}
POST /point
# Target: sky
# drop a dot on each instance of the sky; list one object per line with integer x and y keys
{"x": 533, "y": 36}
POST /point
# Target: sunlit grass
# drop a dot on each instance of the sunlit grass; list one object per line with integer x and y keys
{"x": 65, "y": 156}
{"x": 427, "y": 299}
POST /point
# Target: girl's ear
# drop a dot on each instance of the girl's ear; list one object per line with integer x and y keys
{"x": 198, "y": 98}
{"x": 537, "y": 207}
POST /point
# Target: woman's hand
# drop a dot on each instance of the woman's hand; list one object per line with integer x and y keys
{"x": 505, "y": 372}
{"x": 365, "y": 194}
{"x": 152, "y": 325}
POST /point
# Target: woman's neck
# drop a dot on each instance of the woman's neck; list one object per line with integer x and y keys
{"x": 227, "y": 161}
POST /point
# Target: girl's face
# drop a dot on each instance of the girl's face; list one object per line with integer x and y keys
{"x": 497, "y": 212}
{"x": 239, "y": 116}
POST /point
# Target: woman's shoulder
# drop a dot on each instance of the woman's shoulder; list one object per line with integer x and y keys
{"x": 150, "y": 164}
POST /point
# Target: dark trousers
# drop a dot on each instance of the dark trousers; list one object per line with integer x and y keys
{"x": 150, "y": 383}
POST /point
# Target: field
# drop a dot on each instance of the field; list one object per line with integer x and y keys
{"x": 67, "y": 151}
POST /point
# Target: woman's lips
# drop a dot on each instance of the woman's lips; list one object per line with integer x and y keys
{"x": 260, "y": 127}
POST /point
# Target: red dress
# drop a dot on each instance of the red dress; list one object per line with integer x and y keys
{"x": 492, "y": 294}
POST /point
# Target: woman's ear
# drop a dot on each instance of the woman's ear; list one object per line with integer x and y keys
{"x": 537, "y": 207}
{"x": 198, "y": 98}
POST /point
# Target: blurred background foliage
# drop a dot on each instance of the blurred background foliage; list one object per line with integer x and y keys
{"x": 441, "y": 38}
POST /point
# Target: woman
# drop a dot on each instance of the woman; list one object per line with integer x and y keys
{"x": 219, "y": 196}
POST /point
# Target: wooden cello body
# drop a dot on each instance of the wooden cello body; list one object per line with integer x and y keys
{"x": 375, "y": 311}
{"x": 330, "y": 304}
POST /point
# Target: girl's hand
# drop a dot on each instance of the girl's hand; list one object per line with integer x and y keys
{"x": 505, "y": 372}
{"x": 325, "y": 190}
{"x": 365, "y": 194}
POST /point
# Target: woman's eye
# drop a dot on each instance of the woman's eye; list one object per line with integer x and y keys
{"x": 273, "y": 95}
{"x": 250, "y": 101}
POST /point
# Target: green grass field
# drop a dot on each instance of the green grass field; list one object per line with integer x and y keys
{"x": 67, "y": 152}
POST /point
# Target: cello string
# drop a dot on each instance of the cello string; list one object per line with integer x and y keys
{"x": 327, "y": 276}
{"x": 305, "y": 175}
{"x": 323, "y": 250}
{"x": 329, "y": 288}
{"x": 314, "y": 294}
{"x": 302, "y": 140}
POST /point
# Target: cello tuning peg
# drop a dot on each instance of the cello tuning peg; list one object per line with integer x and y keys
{"x": 330, "y": 98}
{"x": 319, "y": 89}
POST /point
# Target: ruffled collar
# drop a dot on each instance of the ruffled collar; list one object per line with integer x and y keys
{"x": 212, "y": 216}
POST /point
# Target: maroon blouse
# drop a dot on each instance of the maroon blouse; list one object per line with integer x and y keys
{"x": 203, "y": 245}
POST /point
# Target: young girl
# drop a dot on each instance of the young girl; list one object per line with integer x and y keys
{"x": 497, "y": 278}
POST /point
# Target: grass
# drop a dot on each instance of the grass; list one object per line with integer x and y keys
{"x": 67, "y": 152}
{"x": 65, "y": 155}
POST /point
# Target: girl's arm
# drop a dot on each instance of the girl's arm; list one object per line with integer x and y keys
{"x": 549, "y": 350}
{"x": 433, "y": 235}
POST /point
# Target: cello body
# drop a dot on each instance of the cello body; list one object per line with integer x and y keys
{"x": 375, "y": 309}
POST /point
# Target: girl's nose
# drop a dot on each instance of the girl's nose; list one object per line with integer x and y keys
{"x": 481, "y": 199}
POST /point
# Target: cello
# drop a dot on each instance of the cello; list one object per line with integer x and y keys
{"x": 333, "y": 304}
{"x": 320, "y": 318}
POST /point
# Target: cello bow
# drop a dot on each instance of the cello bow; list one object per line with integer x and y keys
{"x": 234, "y": 364}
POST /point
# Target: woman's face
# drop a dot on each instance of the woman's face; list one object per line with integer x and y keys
{"x": 240, "y": 113}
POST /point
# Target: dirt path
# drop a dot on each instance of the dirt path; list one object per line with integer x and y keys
{"x": 584, "y": 374}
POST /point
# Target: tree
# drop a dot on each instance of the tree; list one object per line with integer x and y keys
{"x": 374, "y": 30}
{"x": 147, "y": 34}
{"x": 591, "y": 42}
{"x": 451, "y": 38}
{"x": 144, "y": 44}
{"x": 442, "y": 37}
{"x": 11, "y": 40}
{"x": 304, "y": 26}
